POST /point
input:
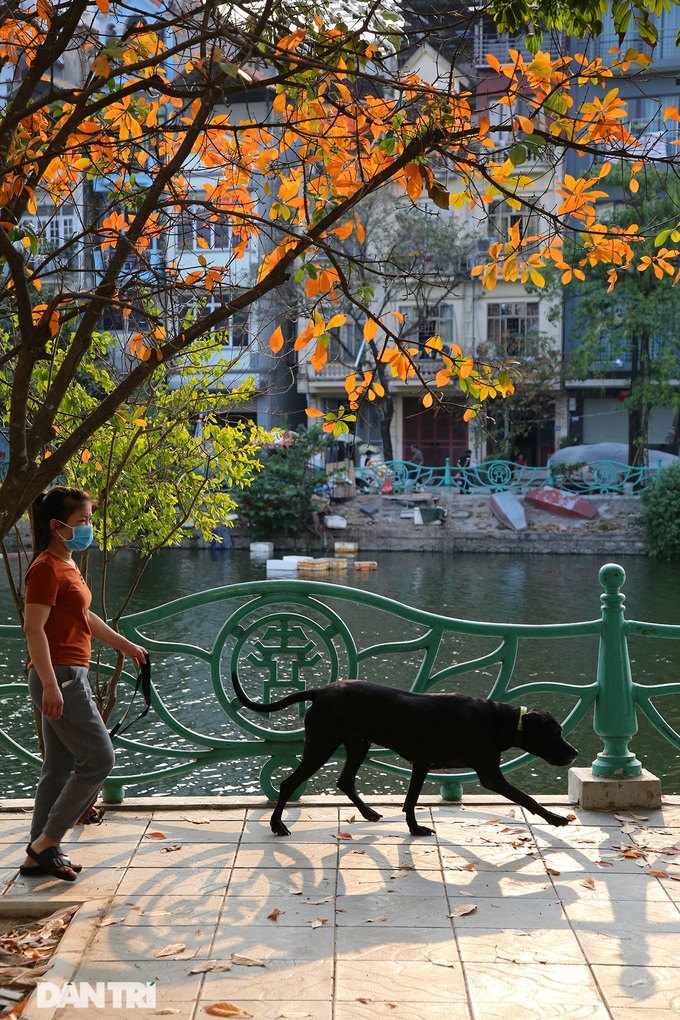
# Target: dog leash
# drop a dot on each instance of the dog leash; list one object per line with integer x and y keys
{"x": 143, "y": 682}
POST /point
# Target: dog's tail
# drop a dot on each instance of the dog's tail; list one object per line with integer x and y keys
{"x": 274, "y": 706}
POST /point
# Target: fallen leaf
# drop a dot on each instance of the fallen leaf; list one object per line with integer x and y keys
{"x": 588, "y": 883}
{"x": 521, "y": 957}
{"x": 171, "y": 849}
{"x": 155, "y": 835}
{"x": 464, "y": 867}
{"x": 468, "y": 908}
{"x": 275, "y": 914}
{"x": 605, "y": 864}
{"x": 246, "y": 961}
{"x": 401, "y": 872}
{"x": 318, "y": 922}
{"x": 343, "y": 835}
{"x": 553, "y": 871}
{"x": 656, "y": 873}
{"x": 207, "y": 965}
{"x": 317, "y": 903}
{"x": 358, "y": 851}
{"x": 371, "y": 920}
{"x": 171, "y": 950}
{"x": 111, "y": 920}
{"x": 196, "y": 820}
{"x": 225, "y": 1009}
{"x": 165, "y": 1012}
{"x": 441, "y": 963}
{"x": 294, "y": 1016}
{"x": 366, "y": 1002}
{"x": 352, "y": 820}
{"x": 572, "y": 818}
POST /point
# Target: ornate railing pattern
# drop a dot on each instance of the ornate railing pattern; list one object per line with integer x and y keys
{"x": 602, "y": 476}
{"x": 283, "y": 635}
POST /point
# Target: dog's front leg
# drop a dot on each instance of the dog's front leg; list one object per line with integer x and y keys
{"x": 497, "y": 782}
{"x": 418, "y": 776}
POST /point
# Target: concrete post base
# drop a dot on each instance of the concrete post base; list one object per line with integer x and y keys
{"x": 595, "y": 793}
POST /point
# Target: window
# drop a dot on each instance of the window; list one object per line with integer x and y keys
{"x": 53, "y": 227}
{"x": 502, "y": 217}
{"x": 511, "y": 326}
{"x": 345, "y": 342}
{"x": 199, "y": 228}
{"x": 236, "y": 331}
{"x": 422, "y": 323}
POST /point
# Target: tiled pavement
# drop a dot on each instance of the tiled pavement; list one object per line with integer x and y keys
{"x": 494, "y": 917}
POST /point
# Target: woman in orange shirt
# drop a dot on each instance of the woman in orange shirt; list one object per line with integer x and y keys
{"x": 78, "y": 754}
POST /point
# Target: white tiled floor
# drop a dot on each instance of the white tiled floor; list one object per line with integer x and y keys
{"x": 491, "y": 918}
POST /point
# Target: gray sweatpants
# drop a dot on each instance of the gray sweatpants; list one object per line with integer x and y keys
{"x": 78, "y": 755}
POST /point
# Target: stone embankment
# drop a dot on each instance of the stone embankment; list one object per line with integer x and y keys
{"x": 470, "y": 526}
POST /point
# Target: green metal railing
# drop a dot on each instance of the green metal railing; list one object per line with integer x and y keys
{"x": 601, "y": 476}
{"x": 283, "y": 635}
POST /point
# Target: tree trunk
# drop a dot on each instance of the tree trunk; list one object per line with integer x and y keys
{"x": 638, "y": 410}
{"x": 385, "y": 409}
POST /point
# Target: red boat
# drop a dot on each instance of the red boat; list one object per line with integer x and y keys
{"x": 564, "y": 504}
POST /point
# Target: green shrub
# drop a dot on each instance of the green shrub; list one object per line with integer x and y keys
{"x": 661, "y": 514}
{"x": 279, "y": 500}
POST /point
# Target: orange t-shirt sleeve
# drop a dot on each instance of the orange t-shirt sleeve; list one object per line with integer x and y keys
{"x": 42, "y": 584}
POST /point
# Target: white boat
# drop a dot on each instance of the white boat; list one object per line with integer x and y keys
{"x": 509, "y": 510}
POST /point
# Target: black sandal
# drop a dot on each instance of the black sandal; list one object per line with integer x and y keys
{"x": 50, "y": 861}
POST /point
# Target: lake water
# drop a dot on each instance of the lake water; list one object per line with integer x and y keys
{"x": 486, "y": 587}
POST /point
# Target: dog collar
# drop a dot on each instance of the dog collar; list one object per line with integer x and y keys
{"x": 522, "y": 713}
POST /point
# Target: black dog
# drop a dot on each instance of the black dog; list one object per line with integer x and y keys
{"x": 432, "y": 731}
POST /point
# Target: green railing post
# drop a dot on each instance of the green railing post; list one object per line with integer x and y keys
{"x": 448, "y": 481}
{"x": 614, "y": 720}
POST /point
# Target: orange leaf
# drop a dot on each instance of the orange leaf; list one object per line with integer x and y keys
{"x": 468, "y": 414}
{"x": 337, "y": 320}
{"x": 85, "y": 456}
{"x": 224, "y": 1009}
{"x": 103, "y": 6}
{"x": 275, "y": 914}
{"x": 276, "y": 340}
{"x": 319, "y": 357}
{"x": 344, "y": 230}
{"x": 313, "y": 412}
{"x": 427, "y": 400}
{"x": 370, "y": 330}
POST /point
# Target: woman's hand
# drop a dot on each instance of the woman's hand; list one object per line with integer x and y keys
{"x": 136, "y": 652}
{"x": 52, "y": 702}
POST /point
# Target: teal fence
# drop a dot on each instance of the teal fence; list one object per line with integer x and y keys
{"x": 601, "y": 476}
{"x": 284, "y": 635}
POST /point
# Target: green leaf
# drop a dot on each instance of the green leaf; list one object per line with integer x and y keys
{"x": 517, "y": 154}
